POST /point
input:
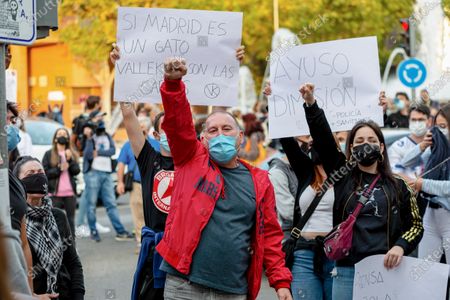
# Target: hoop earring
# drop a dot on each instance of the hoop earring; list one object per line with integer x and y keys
{"x": 382, "y": 158}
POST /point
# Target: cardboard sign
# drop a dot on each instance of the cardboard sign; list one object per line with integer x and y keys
{"x": 206, "y": 39}
{"x": 414, "y": 279}
{"x": 346, "y": 76}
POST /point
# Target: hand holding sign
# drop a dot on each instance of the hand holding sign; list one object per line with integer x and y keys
{"x": 240, "y": 53}
{"x": 267, "y": 89}
{"x": 307, "y": 91}
{"x": 114, "y": 55}
{"x": 383, "y": 101}
{"x": 393, "y": 258}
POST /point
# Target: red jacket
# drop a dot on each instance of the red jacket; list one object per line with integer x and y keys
{"x": 198, "y": 183}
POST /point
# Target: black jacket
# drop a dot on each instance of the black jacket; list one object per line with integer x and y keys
{"x": 303, "y": 168}
{"x": 70, "y": 277}
{"x": 53, "y": 173}
{"x": 400, "y": 225}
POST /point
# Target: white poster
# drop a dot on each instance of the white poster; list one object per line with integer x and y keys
{"x": 346, "y": 75}
{"x": 11, "y": 85}
{"x": 206, "y": 39}
{"x": 414, "y": 279}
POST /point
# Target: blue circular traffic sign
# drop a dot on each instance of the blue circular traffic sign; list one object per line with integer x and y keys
{"x": 412, "y": 72}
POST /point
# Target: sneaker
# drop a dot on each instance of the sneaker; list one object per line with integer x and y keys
{"x": 82, "y": 231}
{"x": 95, "y": 236}
{"x": 101, "y": 228}
{"x": 126, "y": 236}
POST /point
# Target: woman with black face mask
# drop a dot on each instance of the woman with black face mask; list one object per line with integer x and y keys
{"x": 57, "y": 270}
{"x": 61, "y": 167}
{"x": 389, "y": 222}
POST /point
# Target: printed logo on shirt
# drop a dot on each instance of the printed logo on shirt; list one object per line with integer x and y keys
{"x": 162, "y": 190}
{"x": 372, "y": 204}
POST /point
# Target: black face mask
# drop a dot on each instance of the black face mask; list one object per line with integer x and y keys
{"x": 36, "y": 184}
{"x": 62, "y": 140}
{"x": 366, "y": 154}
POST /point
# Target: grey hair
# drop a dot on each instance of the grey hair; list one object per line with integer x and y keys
{"x": 146, "y": 121}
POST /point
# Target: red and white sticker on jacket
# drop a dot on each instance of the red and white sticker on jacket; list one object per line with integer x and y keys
{"x": 162, "y": 190}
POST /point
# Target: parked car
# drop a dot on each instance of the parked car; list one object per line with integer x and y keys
{"x": 393, "y": 134}
{"x": 41, "y": 131}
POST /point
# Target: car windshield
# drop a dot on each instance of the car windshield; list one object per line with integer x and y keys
{"x": 41, "y": 132}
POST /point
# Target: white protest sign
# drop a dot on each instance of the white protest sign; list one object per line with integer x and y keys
{"x": 11, "y": 85}
{"x": 346, "y": 75}
{"x": 206, "y": 39}
{"x": 414, "y": 279}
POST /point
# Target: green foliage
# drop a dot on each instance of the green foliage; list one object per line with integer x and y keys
{"x": 89, "y": 26}
{"x": 446, "y": 7}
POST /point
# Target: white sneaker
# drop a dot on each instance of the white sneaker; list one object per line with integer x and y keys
{"x": 82, "y": 231}
{"x": 101, "y": 228}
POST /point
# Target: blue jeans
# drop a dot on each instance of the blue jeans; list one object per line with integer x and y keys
{"x": 343, "y": 283}
{"x": 82, "y": 209}
{"x": 306, "y": 285}
{"x": 101, "y": 183}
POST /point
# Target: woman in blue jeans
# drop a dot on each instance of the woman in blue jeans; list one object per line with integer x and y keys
{"x": 389, "y": 223}
{"x": 311, "y": 269}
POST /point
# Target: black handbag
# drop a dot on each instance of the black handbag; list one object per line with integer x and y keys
{"x": 128, "y": 180}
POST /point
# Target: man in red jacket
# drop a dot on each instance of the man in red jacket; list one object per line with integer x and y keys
{"x": 222, "y": 227}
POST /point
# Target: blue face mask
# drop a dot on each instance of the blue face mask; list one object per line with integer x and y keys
{"x": 399, "y": 103}
{"x": 164, "y": 142}
{"x": 343, "y": 147}
{"x": 222, "y": 148}
{"x": 13, "y": 137}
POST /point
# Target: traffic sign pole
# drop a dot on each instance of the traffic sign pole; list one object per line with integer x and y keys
{"x": 4, "y": 178}
{"x": 412, "y": 49}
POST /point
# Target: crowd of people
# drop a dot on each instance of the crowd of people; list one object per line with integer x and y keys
{"x": 203, "y": 193}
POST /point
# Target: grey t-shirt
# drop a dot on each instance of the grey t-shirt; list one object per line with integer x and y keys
{"x": 222, "y": 256}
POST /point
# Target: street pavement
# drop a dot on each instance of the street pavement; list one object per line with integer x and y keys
{"x": 109, "y": 265}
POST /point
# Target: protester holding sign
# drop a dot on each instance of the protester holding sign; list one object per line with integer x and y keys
{"x": 222, "y": 228}
{"x": 157, "y": 175}
{"x": 389, "y": 222}
{"x": 311, "y": 269}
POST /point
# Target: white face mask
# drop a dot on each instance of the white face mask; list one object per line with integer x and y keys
{"x": 444, "y": 131}
{"x": 418, "y": 128}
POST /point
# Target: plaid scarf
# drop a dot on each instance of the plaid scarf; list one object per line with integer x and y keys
{"x": 43, "y": 236}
